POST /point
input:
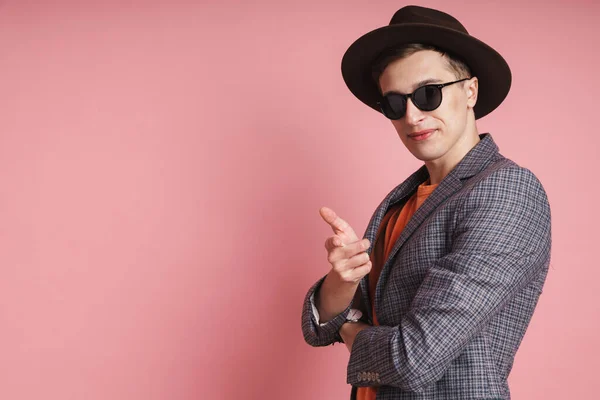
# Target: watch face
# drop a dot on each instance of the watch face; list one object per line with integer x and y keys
{"x": 354, "y": 315}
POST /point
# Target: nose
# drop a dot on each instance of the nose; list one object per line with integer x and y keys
{"x": 413, "y": 114}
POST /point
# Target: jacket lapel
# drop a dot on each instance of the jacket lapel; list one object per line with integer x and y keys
{"x": 400, "y": 194}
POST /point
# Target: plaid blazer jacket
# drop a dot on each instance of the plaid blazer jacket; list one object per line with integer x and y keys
{"x": 459, "y": 288}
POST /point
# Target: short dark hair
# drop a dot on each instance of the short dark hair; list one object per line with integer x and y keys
{"x": 455, "y": 63}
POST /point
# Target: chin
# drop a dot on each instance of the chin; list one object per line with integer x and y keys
{"x": 425, "y": 155}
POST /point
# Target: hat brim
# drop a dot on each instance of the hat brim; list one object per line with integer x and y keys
{"x": 485, "y": 63}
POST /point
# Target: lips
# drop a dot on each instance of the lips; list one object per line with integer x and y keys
{"x": 421, "y": 135}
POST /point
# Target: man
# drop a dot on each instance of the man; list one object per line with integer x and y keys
{"x": 434, "y": 301}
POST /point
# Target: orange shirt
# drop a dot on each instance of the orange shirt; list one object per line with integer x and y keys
{"x": 390, "y": 228}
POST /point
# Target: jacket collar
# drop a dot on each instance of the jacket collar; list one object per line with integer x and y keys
{"x": 473, "y": 162}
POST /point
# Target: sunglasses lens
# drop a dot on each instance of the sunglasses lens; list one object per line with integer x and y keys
{"x": 394, "y": 106}
{"x": 427, "y": 98}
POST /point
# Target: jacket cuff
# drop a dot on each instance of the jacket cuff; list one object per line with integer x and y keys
{"x": 317, "y": 334}
{"x": 369, "y": 360}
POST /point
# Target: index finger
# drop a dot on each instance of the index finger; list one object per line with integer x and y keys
{"x": 337, "y": 224}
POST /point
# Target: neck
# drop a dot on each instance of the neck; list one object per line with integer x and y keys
{"x": 438, "y": 169}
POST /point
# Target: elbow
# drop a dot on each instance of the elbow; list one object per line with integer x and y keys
{"x": 310, "y": 338}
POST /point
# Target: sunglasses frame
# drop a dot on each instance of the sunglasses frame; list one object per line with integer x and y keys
{"x": 439, "y": 86}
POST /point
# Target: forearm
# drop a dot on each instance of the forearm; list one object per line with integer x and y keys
{"x": 333, "y": 297}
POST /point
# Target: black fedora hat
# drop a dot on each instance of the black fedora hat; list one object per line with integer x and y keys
{"x": 414, "y": 24}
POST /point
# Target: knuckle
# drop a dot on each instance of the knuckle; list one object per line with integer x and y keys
{"x": 361, "y": 246}
{"x": 349, "y": 277}
{"x": 357, "y": 277}
{"x": 343, "y": 275}
{"x": 331, "y": 258}
{"x": 331, "y": 240}
{"x": 338, "y": 266}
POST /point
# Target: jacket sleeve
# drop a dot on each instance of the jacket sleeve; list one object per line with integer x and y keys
{"x": 501, "y": 244}
{"x": 317, "y": 334}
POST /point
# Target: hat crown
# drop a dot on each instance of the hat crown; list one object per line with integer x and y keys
{"x": 424, "y": 15}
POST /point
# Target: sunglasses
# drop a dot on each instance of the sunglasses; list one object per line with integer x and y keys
{"x": 425, "y": 98}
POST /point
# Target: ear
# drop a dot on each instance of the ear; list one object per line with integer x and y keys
{"x": 472, "y": 91}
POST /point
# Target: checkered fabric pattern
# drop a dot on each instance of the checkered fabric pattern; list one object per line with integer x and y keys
{"x": 459, "y": 288}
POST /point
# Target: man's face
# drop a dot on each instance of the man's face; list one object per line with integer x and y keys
{"x": 448, "y": 132}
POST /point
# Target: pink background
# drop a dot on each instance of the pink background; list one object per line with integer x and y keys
{"x": 161, "y": 169}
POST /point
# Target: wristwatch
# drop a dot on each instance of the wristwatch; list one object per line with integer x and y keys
{"x": 354, "y": 315}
